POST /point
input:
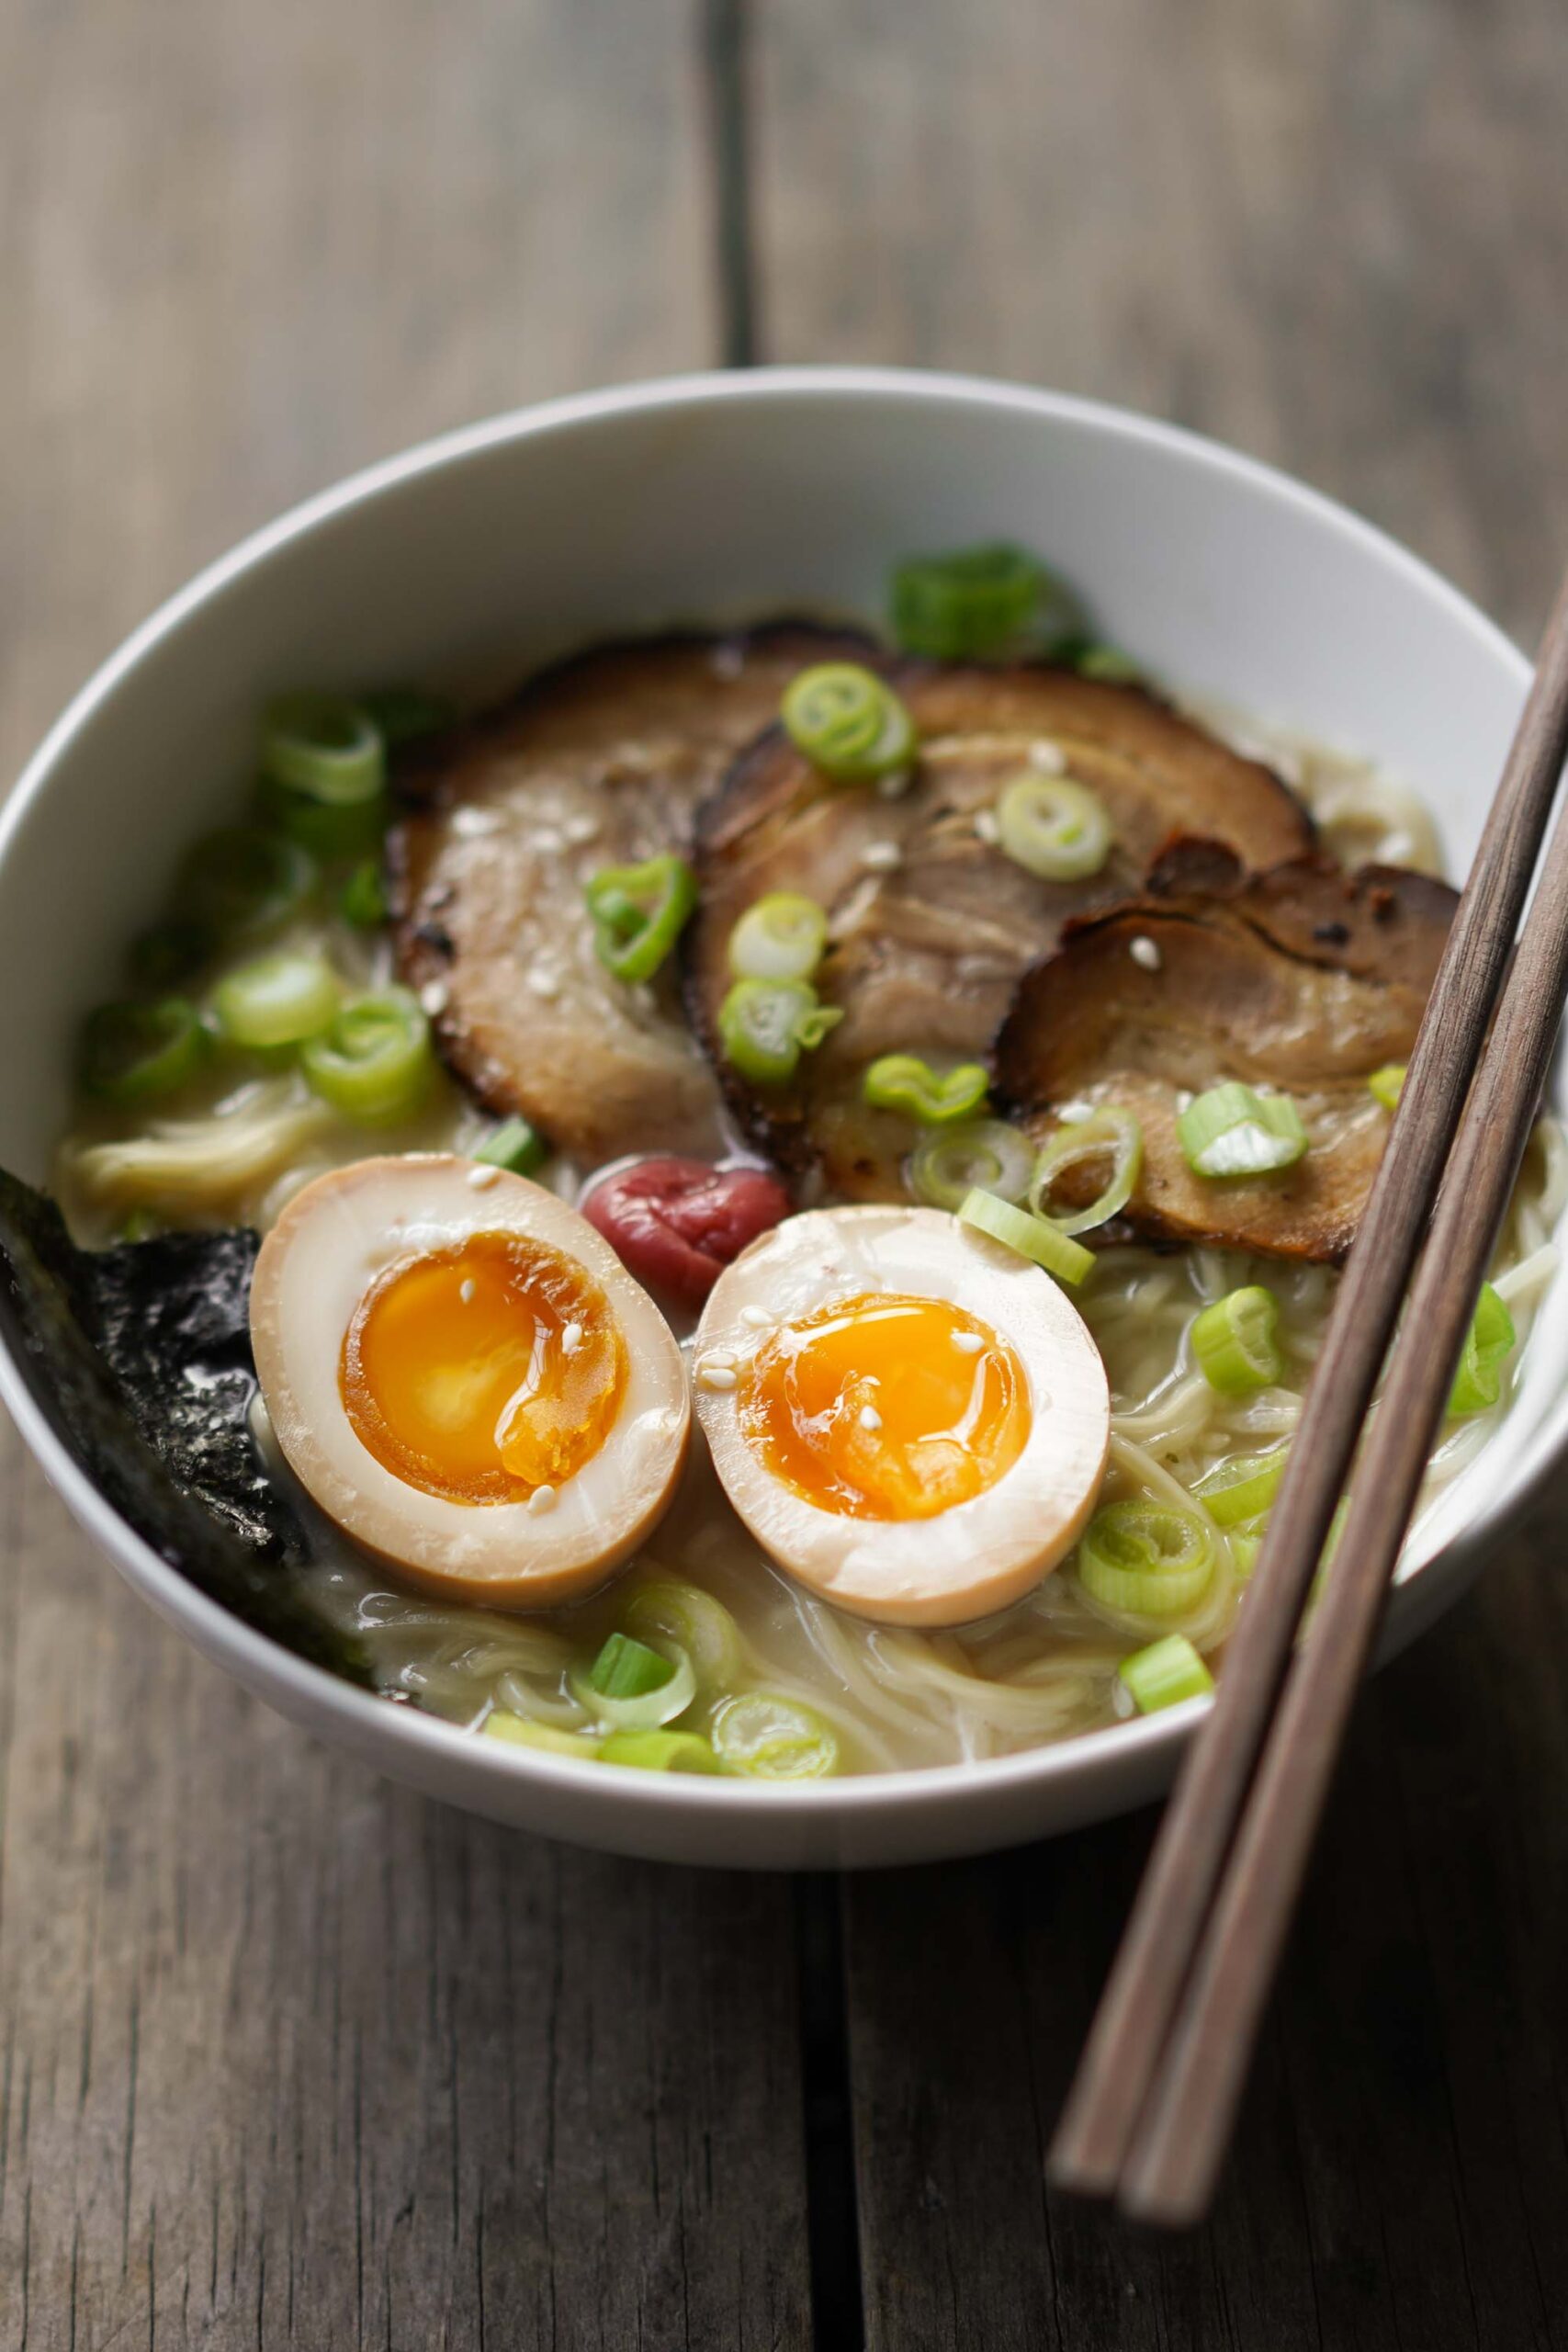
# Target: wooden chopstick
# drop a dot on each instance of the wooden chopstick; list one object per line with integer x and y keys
{"x": 1123, "y": 2053}
{"x": 1170, "y": 2173}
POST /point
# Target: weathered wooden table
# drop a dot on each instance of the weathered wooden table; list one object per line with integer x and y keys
{"x": 290, "y": 2058}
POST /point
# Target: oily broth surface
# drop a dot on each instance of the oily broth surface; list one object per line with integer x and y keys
{"x": 1039, "y": 1671}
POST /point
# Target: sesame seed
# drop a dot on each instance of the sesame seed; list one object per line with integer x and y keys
{"x": 896, "y": 781}
{"x": 882, "y": 857}
{"x": 433, "y": 997}
{"x": 582, "y": 827}
{"x": 987, "y": 827}
{"x": 718, "y": 1378}
{"x": 870, "y": 1419}
{"x": 466, "y": 1290}
{"x": 542, "y": 1499}
{"x": 968, "y": 1343}
{"x": 757, "y": 1317}
{"x": 720, "y": 1360}
{"x": 482, "y": 1175}
{"x": 544, "y": 984}
{"x": 1048, "y": 758}
{"x": 1143, "y": 951}
{"x": 572, "y": 1338}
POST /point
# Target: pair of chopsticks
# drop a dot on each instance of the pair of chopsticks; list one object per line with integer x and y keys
{"x": 1161, "y": 2074}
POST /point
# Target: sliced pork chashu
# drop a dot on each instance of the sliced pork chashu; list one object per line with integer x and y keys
{"x": 598, "y": 763}
{"x": 1305, "y": 978}
{"x": 931, "y": 924}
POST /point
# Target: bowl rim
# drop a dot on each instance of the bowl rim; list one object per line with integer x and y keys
{"x": 315, "y": 1690}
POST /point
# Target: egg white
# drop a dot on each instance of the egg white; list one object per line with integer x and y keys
{"x": 978, "y": 1555}
{"x": 332, "y": 1240}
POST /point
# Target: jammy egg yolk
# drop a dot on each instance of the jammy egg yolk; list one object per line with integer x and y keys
{"x": 888, "y": 1408}
{"x": 484, "y": 1371}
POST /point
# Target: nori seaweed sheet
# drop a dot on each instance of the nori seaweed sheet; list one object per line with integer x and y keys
{"x": 140, "y": 1356}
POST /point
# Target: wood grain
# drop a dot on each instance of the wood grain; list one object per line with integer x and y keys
{"x": 288, "y": 2057}
{"x": 1333, "y": 235}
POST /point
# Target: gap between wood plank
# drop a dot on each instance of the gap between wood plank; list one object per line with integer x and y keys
{"x": 832, "y": 2214}
{"x": 724, "y": 30}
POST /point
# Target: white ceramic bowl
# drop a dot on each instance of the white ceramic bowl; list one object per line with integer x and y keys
{"x": 483, "y": 553}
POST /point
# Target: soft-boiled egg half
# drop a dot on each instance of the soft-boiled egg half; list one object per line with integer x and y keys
{"x": 911, "y": 1420}
{"x": 462, "y": 1373}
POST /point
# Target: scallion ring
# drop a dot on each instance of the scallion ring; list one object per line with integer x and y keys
{"x": 639, "y": 912}
{"x": 1165, "y": 1675}
{"x": 1488, "y": 1344}
{"x": 1053, "y": 827}
{"x": 1386, "y": 1085}
{"x": 1233, "y": 1341}
{"x": 1030, "y": 1236}
{"x": 275, "y": 1000}
{"x": 375, "y": 1062}
{"x": 658, "y": 1751}
{"x": 632, "y": 1687}
{"x": 904, "y": 1082}
{"x": 767, "y": 1736}
{"x": 1108, "y": 1133}
{"x": 324, "y": 773}
{"x": 363, "y": 899}
{"x": 516, "y": 1145}
{"x": 1232, "y": 1131}
{"x": 134, "y": 1053}
{"x": 1146, "y": 1559}
{"x": 668, "y": 1612}
{"x": 980, "y": 602}
{"x": 764, "y": 1026}
{"x": 986, "y": 1155}
{"x": 847, "y": 722}
{"x": 779, "y": 938}
{"x": 244, "y": 883}
{"x": 499, "y": 1723}
{"x": 1244, "y": 1487}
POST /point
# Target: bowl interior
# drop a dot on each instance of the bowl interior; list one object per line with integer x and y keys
{"x": 474, "y": 560}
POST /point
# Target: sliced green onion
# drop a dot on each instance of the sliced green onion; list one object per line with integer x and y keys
{"x": 375, "y": 1062}
{"x": 134, "y": 1053}
{"x": 520, "y": 1733}
{"x": 986, "y": 1155}
{"x": 1245, "y": 1542}
{"x": 517, "y": 1146}
{"x": 324, "y": 746}
{"x": 1055, "y": 827}
{"x": 780, "y": 938}
{"x": 1234, "y": 1131}
{"x": 979, "y": 601}
{"x": 1031, "y": 1237}
{"x": 1147, "y": 1559}
{"x": 1107, "y": 663}
{"x": 658, "y": 1751}
{"x": 764, "y": 1026}
{"x": 904, "y": 1082}
{"x": 1387, "y": 1084}
{"x": 245, "y": 882}
{"x": 277, "y": 1001}
{"x": 631, "y": 1687}
{"x": 1242, "y": 1488}
{"x": 1164, "y": 1675}
{"x": 639, "y": 913}
{"x": 1488, "y": 1344}
{"x": 668, "y": 1611}
{"x": 1234, "y": 1344}
{"x": 626, "y": 1668}
{"x": 1107, "y": 1131}
{"x": 402, "y": 714}
{"x": 363, "y": 899}
{"x": 847, "y": 722}
{"x": 769, "y": 1738}
{"x": 168, "y": 954}
{"x": 324, "y": 772}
